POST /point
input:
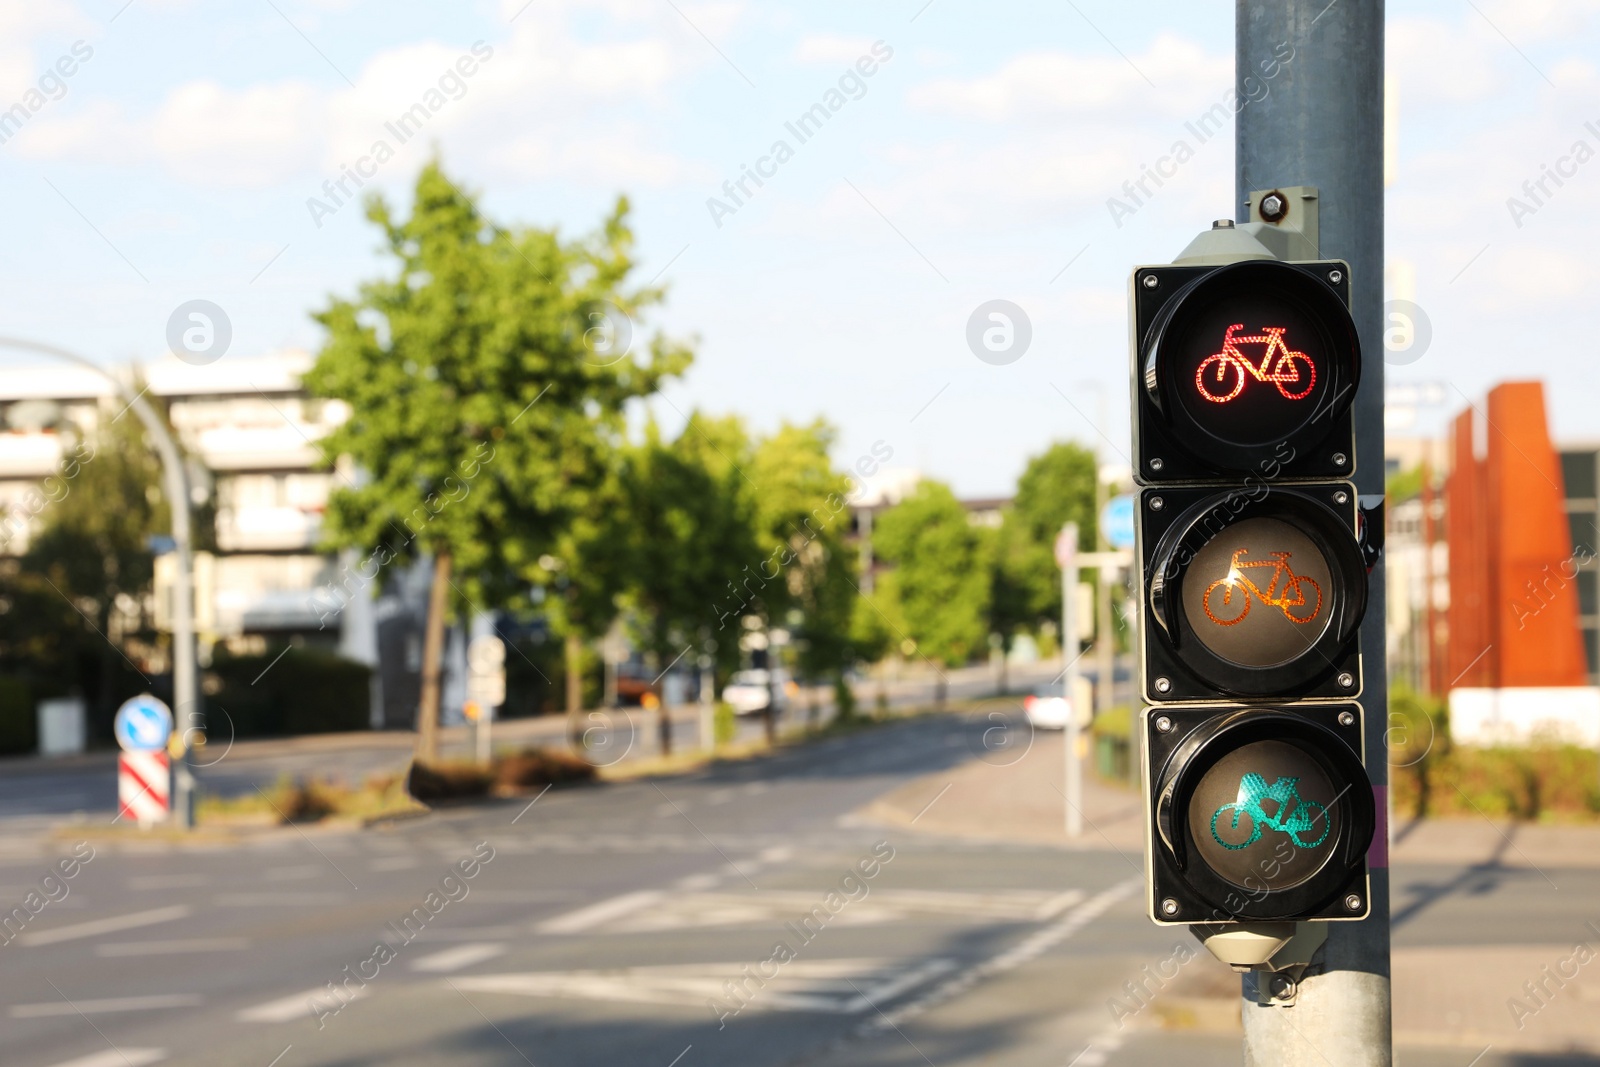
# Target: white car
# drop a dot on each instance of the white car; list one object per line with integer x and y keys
{"x": 1047, "y": 709}
{"x": 751, "y": 691}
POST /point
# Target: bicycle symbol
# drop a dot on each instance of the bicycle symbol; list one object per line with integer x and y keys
{"x": 1292, "y": 814}
{"x": 1221, "y": 376}
{"x": 1289, "y": 597}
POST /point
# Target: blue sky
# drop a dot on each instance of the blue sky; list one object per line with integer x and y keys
{"x": 975, "y": 163}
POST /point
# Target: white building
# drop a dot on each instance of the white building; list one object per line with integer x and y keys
{"x": 255, "y": 434}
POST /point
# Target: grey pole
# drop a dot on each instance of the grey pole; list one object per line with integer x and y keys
{"x": 1069, "y": 679}
{"x": 1320, "y": 123}
{"x": 185, "y": 691}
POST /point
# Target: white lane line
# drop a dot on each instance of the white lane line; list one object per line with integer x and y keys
{"x": 168, "y": 881}
{"x": 114, "y": 1057}
{"x": 574, "y": 922}
{"x": 284, "y": 1009}
{"x": 96, "y": 927}
{"x": 453, "y": 959}
{"x": 267, "y": 900}
{"x": 1027, "y": 949}
{"x": 169, "y": 948}
{"x": 112, "y": 1004}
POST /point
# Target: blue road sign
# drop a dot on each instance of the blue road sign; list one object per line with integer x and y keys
{"x": 143, "y": 724}
{"x": 1117, "y": 521}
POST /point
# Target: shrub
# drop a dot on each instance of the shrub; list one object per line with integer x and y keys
{"x": 1432, "y": 776}
{"x": 534, "y": 767}
{"x": 447, "y": 781}
{"x": 19, "y": 720}
{"x": 301, "y": 800}
{"x": 307, "y": 691}
{"x": 726, "y": 723}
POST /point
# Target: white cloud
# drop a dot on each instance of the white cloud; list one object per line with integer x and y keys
{"x": 1045, "y": 85}
{"x": 561, "y": 99}
{"x": 1439, "y": 62}
{"x": 831, "y": 49}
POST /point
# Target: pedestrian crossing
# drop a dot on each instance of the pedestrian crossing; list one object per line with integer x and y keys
{"x": 838, "y": 986}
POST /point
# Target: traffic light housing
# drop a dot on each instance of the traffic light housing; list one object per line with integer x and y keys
{"x": 1253, "y": 587}
{"x": 1258, "y": 814}
{"x": 1244, "y": 371}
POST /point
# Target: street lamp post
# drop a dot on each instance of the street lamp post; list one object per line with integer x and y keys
{"x": 185, "y": 690}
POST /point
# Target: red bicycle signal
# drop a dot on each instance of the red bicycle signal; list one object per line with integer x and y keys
{"x": 1221, "y": 376}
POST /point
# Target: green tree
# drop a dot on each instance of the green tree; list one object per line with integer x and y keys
{"x": 486, "y": 379}
{"x": 802, "y": 517}
{"x": 1011, "y": 586}
{"x": 690, "y": 519}
{"x": 93, "y": 551}
{"x": 1057, "y": 486}
{"x": 941, "y": 579}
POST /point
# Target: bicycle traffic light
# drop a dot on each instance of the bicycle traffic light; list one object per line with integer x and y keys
{"x": 1248, "y": 369}
{"x": 1253, "y": 585}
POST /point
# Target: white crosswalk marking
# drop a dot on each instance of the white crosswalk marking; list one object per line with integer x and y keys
{"x": 110, "y": 1004}
{"x": 845, "y": 987}
{"x": 284, "y": 1009}
{"x": 587, "y": 918}
{"x": 453, "y": 959}
{"x": 168, "y": 948}
{"x": 96, "y": 927}
{"x": 693, "y": 910}
{"x": 118, "y": 1057}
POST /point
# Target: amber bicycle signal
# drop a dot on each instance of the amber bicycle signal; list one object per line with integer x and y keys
{"x": 1286, "y": 591}
{"x": 1221, "y": 376}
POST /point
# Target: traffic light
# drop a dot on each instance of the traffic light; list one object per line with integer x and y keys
{"x": 1253, "y": 561}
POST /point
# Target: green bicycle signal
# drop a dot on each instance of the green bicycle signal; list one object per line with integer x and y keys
{"x": 1292, "y": 814}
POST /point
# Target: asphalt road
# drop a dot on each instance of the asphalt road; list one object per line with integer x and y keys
{"x": 600, "y": 925}
{"x": 35, "y": 793}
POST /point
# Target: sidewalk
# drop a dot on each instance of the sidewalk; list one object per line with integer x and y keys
{"x": 1444, "y": 995}
{"x": 1021, "y": 800}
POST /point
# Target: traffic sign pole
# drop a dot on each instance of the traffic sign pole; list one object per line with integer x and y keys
{"x": 1322, "y": 125}
{"x": 1067, "y": 555}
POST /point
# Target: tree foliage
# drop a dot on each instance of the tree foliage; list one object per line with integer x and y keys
{"x": 941, "y": 578}
{"x": 483, "y": 407}
{"x": 1056, "y": 487}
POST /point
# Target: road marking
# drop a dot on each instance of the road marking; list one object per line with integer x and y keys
{"x": 96, "y": 927}
{"x": 168, "y": 948}
{"x": 692, "y": 908}
{"x": 168, "y": 881}
{"x": 453, "y": 959}
{"x": 115, "y": 1057}
{"x": 840, "y": 987}
{"x": 284, "y": 1009}
{"x": 587, "y": 918}
{"x": 111, "y": 1004}
{"x": 393, "y": 863}
{"x": 289, "y": 874}
{"x": 289, "y": 900}
{"x": 1030, "y": 947}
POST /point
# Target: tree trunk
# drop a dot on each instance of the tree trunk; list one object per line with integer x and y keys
{"x": 572, "y": 653}
{"x": 939, "y": 688}
{"x": 1005, "y": 680}
{"x": 432, "y": 654}
{"x": 664, "y": 726}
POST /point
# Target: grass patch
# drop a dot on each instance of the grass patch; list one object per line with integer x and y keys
{"x": 299, "y": 800}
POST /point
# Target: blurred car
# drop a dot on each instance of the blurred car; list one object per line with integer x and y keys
{"x": 1047, "y": 709}
{"x": 751, "y": 691}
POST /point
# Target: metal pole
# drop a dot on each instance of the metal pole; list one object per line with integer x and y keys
{"x": 1104, "y": 639}
{"x": 1069, "y": 676}
{"x": 1320, "y": 123}
{"x": 185, "y": 690}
